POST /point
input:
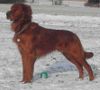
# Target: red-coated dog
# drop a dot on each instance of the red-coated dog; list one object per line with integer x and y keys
{"x": 35, "y": 41}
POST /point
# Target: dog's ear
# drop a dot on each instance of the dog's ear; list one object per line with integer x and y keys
{"x": 28, "y": 10}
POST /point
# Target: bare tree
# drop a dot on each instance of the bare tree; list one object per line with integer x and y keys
{"x": 33, "y": 1}
{"x": 95, "y": 3}
{"x": 56, "y": 2}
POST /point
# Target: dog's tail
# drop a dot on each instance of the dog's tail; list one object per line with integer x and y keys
{"x": 89, "y": 55}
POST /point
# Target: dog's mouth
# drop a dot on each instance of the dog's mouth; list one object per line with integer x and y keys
{"x": 12, "y": 18}
{"x": 8, "y": 16}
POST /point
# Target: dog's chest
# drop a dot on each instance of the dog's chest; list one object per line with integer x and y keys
{"x": 18, "y": 40}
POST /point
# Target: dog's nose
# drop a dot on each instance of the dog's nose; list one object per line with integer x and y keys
{"x": 8, "y": 14}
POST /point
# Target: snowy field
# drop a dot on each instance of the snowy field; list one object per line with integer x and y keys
{"x": 62, "y": 74}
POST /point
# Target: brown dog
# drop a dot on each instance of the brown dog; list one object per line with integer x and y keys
{"x": 35, "y": 41}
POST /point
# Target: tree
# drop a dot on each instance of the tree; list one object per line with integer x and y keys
{"x": 11, "y": 1}
{"x": 95, "y": 3}
{"x": 33, "y": 1}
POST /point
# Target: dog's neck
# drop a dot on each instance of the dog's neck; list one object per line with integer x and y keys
{"x": 23, "y": 29}
{"x": 17, "y": 26}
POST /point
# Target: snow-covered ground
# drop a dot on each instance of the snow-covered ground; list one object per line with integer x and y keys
{"x": 62, "y": 74}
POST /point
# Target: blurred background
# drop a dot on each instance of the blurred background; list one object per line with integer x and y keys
{"x": 95, "y": 3}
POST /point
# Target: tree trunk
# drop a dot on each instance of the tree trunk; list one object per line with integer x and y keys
{"x": 56, "y": 2}
{"x": 33, "y": 1}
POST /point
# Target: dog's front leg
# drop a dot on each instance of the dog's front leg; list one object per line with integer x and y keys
{"x": 28, "y": 67}
{"x": 28, "y": 60}
{"x": 23, "y": 57}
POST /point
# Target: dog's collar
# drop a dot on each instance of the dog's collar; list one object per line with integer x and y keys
{"x": 23, "y": 29}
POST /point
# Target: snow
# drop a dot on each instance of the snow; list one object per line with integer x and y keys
{"x": 62, "y": 74}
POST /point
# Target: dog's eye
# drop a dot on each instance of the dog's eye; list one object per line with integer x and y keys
{"x": 13, "y": 10}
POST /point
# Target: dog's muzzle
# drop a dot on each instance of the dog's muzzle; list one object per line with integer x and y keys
{"x": 8, "y": 15}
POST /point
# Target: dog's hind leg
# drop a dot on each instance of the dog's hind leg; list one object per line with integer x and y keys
{"x": 77, "y": 64}
{"x": 89, "y": 70}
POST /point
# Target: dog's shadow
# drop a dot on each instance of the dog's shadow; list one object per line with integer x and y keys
{"x": 59, "y": 66}
{"x": 63, "y": 66}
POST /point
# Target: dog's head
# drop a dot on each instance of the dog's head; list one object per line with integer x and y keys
{"x": 18, "y": 12}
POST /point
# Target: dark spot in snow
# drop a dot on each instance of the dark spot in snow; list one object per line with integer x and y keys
{"x": 60, "y": 81}
{"x": 57, "y": 75}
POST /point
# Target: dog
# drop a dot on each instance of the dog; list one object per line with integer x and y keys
{"x": 34, "y": 41}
